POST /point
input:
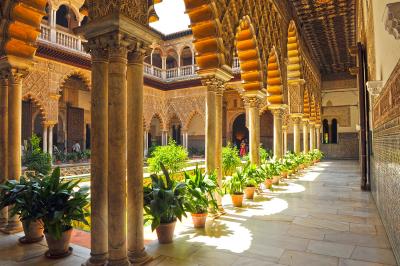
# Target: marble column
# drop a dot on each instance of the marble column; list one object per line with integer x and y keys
{"x": 99, "y": 158}
{"x": 312, "y": 136}
{"x": 318, "y": 136}
{"x": 285, "y": 143}
{"x": 305, "y": 137}
{"x": 136, "y": 249}
{"x": 50, "y": 140}
{"x": 253, "y": 115}
{"x": 146, "y": 142}
{"x": 296, "y": 134}
{"x": 277, "y": 113}
{"x": 117, "y": 158}
{"x": 14, "y": 140}
{"x": 44, "y": 138}
{"x": 211, "y": 128}
{"x": 218, "y": 140}
{"x": 185, "y": 140}
{"x": 164, "y": 138}
{"x": 3, "y": 141}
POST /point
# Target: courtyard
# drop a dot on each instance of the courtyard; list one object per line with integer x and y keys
{"x": 319, "y": 218}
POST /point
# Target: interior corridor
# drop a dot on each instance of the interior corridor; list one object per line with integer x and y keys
{"x": 321, "y": 218}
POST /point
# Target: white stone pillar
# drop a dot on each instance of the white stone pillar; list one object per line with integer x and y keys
{"x": 296, "y": 134}
{"x": 185, "y": 142}
{"x": 53, "y": 23}
{"x": 50, "y": 140}
{"x": 278, "y": 147}
{"x": 285, "y": 143}
{"x": 164, "y": 138}
{"x": 305, "y": 137}
{"x": 146, "y": 142}
{"x": 44, "y": 138}
{"x": 318, "y": 142}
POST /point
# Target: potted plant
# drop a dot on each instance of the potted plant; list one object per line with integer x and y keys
{"x": 201, "y": 189}
{"x": 22, "y": 197}
{"x": 164, "y": 201}
{"x": 265, "y": 173}
{"x": 230, "y": 159}
{"x": 251, "y": 178}
{"x": 234, "y": 186}
{"x": 61, "y": 204}
{"x": 275, "y": 170}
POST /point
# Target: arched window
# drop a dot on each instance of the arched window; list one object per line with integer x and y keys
{"x": 156, "y": 58}
{"x": 66, "y": 17}
{"x": 334, "y": 131}
{"x": 186, "y": 57}
{"x": 325, "y": 132}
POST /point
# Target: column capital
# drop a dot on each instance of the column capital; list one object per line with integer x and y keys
{"x": 214, "y": 84}
{"x": 253, "y": 98}
{"x": 137, "y": 55}
{"x": 296, "y": 119}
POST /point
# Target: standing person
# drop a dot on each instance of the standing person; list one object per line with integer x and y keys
{"x": 242, "y": 151}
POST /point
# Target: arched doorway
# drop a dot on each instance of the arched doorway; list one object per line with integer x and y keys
{"x": 196, "y": 135}
{"x": 175, "y": 129}
{"x": 239, "y": 130}
{"x": 155, "y": 133}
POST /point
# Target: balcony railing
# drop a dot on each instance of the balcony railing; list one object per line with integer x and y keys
{"x": 65, "y": 40}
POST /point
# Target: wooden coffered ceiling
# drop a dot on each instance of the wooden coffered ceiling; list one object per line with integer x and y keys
{"x": 329, "y": 27}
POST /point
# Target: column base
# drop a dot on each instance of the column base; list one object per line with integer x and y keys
{"x": 96, "y": 260}
{"x": 139, "y": 258}
{"x": 12, "y": 228}
{"x": 122, "y": 262}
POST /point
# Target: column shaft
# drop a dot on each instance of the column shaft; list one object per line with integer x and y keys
{"x": 99, "y": 158}
{"x": 44, "y": 138}
{"x": 211, "y": 131}
{"x": 50, "y": 140}
{"x": 312, "y": 137}
{"x": 117, "y": 143}
{"x": 146, "y": 142}
{"x": 277, "y": 133}
{"x": 318, "y": 142}
{"x": 285, "y": 143}
{"x": 254, "y": 128}
{"x": 136, "y": 248}
{"x": 3, "y": 141}
{"x": 218, "y": 141}
{"x": 296, "y": 134}
{"x": 14, "y": 140}
{"x": 305, "y": 137}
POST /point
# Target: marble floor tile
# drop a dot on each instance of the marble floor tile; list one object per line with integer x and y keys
{"x": 297, "y": 258}
{"x": 330, "y": 249}
{"x": 384, "y": 256}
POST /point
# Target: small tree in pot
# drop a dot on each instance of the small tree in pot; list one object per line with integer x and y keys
{"x": 22, "y": 197}
{"x": 201, "y": 189}
{"x": 164, "y": 201}
{"x": 61, "y": 204}
{"x": 252, "y": 178}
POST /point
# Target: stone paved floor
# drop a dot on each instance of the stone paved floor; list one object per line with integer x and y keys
{"x": 321, "y": 219}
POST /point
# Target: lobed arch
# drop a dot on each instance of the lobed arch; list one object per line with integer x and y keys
{"x": 171, "y": 116}
{"x": 159, "y": 117}
{"x": 85, "y": 78}
{"x": 186, "y": 123}
{"x": 41, "y": 106}
{"x": 249, "y": 56}
{"x": 274, "y": 79}
{"x": 294, "y": 65}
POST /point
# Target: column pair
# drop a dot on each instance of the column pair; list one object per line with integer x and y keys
{"x": 164, "y": 137}
{"x": 10, "y": 138}
{"x": 253, "y": 101}
{"x": 48, "y": 138}
{"x": 215, "y": 89}
{"x": 312, "y": 136}
{"x": 317, "y": 136}
{"x": 296, "y": 133}
{"x": 117, "y": 108}
{"x": 277, "y": 112}
{"x": 185, "y": 139}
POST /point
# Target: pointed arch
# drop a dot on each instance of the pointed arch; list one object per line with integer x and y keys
{"x": 274, "y": 79}
{"x": 249, "y": 56}
{"x": 294, "y": 57}
{"x": 206, "y": 28}
{"x": 77, "y": 73}
{"x": 190, "y": 117}
{"x": 37, "y": 102}
{"x": 159, "y": 117}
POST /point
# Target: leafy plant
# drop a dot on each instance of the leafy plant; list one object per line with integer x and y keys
{"x": 35, "y": 159}
{"x": 236, "y": 184}
{"x": 230, "y": 159}
{"x": 172, "y": 156}
{"x": 264, "y": 155}
{"x": 23, "y": 196}
{"x": 164, "y": 199}
{"x": 252, "y": 175}
{"x": 201, "y": 189}
{"x": 60, "y": 204}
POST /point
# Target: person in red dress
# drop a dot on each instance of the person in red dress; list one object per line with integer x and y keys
{"x": 242, "y": 150}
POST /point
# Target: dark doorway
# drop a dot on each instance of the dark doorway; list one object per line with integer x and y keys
{"x": 239, "y": 130}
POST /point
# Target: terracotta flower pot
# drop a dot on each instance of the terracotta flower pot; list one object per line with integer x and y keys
{"x": 33, "y": 232}
{"x": 199, "y": 220}
{"x": 165, "y": 232}
{"x": 249, "y": 192}
{"x": 284, "y": 174}
{"x": 268, "y": 183}
{"x": 301, "y": 166}
{"x": 237, "y": 200}
{"x": 275, "y": 180}
{"x": 59, "y": 248}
